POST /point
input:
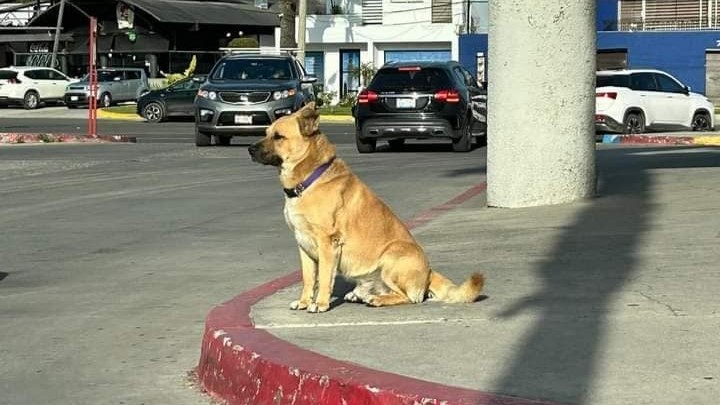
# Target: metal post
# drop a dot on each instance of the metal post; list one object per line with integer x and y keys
{"x": 302, "y": 17}
{"x": 56, "y": 42}
{"x": 92, "y": 75}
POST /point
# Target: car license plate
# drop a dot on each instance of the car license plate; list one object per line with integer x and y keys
{"x": 243, "y": 119}
{"x": 405, "y": 103}
{"x": 74, "y": 98}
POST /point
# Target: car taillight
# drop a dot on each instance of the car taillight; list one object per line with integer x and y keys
{"x": 447, "y": 96}
{"x": 609, "y": 94}
{"x": 367, "y": 96}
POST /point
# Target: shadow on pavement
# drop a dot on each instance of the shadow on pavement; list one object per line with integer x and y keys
{"x": 589, "y": 264}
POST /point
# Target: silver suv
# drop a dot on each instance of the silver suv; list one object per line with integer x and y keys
{"x": 245, "y": 93}
{"x": 114, "y": 85}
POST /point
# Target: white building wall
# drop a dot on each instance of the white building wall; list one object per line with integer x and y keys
{"x": 406, "y": 26}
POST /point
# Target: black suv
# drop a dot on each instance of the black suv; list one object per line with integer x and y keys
{"x": 244, "y": 93}
{"x": 419, "y": 100}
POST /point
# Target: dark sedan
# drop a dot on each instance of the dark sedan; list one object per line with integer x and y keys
{"x": 173, "y": 101}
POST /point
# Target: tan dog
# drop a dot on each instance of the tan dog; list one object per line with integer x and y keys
{"x": 341, "y": 226}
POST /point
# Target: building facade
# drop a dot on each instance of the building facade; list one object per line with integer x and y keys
{"x": 159, "y": 35}
{"x": 342, "y": 35}
{"x": 681, "y": 37}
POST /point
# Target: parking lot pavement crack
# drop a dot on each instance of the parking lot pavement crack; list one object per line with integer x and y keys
{"x": 673, "y": 311}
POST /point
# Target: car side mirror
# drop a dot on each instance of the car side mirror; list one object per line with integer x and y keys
{"x": 686, "y": 90}
{"x": 308, "y": 80}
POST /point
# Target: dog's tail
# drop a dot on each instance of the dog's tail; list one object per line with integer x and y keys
{"x": 442, "y": 289}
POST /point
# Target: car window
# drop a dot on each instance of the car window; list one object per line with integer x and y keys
{"x": 253, "y": 69}
{"x": 107, "y": 75}
{"x": 53, "y": 75}
{"x": 132, "y": 75}
{"x": 643, "y": 82}
{"x": 187, "y": 84}
{"x": 667, "y": 84}
{"x": 612, "y": 81}
{"x": 34, "y": 74}
{"x": 410, "y": 79}
{"x": 7, "y": 74}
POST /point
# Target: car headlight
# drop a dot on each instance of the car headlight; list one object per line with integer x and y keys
{"x": 281, "y": 94}
{"x": 210, "y": 95}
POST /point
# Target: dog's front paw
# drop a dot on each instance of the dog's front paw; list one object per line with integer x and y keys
{"x": 298, "y": 304}
{"x": 352, "y": 297}
{"x": 318, "y": 307}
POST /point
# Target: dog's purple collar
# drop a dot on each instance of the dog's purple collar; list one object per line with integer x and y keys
{"x": 298, "y": 190}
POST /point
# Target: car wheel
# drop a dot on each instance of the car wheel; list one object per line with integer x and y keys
{"x": 365, "y": 145}
{"x": 153, "y": 112}
{"x": 201, "y": 138}
{"x": 634, "y": 123}
{"x": 701, "y": 122}
{"x": 222, "y": 140}
{"x": 396, "y": 144}
{"x": 463, "y": 143}
{"x": 105, "y": 100}
{"x": 72, "y": 106}
{"x": 31, "y": 100}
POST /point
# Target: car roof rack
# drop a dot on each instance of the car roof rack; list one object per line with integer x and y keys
{"x": 269, "y": 50}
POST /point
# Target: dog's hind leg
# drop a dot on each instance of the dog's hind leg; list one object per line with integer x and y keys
{"x": 309, "y": 278}
{"x": 405, "y": 272}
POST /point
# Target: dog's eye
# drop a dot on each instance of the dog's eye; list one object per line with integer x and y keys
{"x": 278, "y": 137}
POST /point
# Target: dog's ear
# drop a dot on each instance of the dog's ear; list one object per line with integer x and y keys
{"x": 309, "y": 119}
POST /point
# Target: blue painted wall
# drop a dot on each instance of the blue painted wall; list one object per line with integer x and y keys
{"x": 607, "y": 13}
{"x": 681, "y": 54}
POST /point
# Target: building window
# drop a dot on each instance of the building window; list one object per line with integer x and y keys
{"x": 441, "y": 11}
{"x": 398, "y": 56}
{"x": 349, "y": 77}
{"x": 315, "y": 66}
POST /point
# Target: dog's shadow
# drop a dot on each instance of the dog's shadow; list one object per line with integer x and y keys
{"x": 341, "y": 288}
{"x": 344, "y": 286}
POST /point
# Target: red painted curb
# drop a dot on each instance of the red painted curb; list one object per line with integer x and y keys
{"x": 21, "y": 138}
{"x": 240, "y": 364}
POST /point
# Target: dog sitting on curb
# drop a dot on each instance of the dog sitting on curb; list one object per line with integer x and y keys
{"x": 341, "y": 226}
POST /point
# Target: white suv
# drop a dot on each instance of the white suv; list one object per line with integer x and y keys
{"x": 633, "y": 101}
{"x": 30, "y": 86}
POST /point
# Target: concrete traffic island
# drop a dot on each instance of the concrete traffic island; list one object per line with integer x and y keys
{"x": 241, "y": 362}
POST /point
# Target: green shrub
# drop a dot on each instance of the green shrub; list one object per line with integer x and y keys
{"x": 243, "y": 42}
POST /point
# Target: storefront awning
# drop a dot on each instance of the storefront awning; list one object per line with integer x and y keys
{"x": 207, "y": 12}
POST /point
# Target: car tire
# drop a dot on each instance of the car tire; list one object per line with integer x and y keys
{"x": 634, "y": 123}
{"x": 72, "y": 106}
{"x": 396, "y": 144}
{"x": 153, "y": 112}
{"x": 105, "y": 100}
{"x": 201, "y": 138}
{"x": 222, "y": 140}
{"x": 701, "y": 122}
{"x": 31, "y": 100}
{"x": 463, "y": 143}
{"x": 365, "y": 145}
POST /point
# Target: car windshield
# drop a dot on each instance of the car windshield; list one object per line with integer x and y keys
{"x": 410, "y": 79}
{"x": 253, "y": 69}
{"x": 613, "y": 81}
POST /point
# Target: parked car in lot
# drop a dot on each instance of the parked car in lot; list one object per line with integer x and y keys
{"x": 245, "y": 93}
{"x": 639, "y": 100}
{"x": 175, "y": 100}
{"x": 114, "y": 85}
{"x": 420, "y": 100}
{"x": 31, "y": 86}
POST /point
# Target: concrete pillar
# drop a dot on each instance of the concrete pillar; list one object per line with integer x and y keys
{"x": 541, "y": 102}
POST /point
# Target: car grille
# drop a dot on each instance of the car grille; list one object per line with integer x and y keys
{"x": 227, "y": 118}
{"x": 249, "y": 97}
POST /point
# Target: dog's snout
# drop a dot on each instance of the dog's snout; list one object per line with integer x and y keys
{"x": 253, "y": 149}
